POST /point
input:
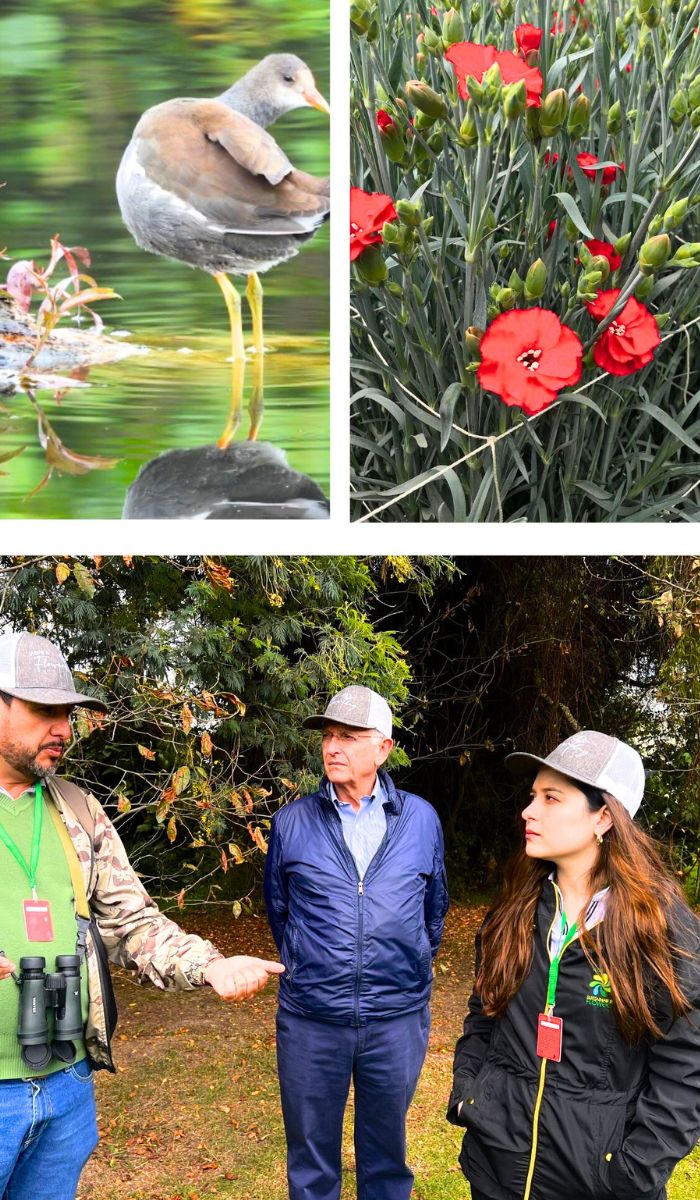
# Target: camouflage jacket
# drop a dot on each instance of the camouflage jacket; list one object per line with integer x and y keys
{"x": 135, "y": 933}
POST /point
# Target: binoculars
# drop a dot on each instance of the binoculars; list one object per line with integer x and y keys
{"x": 43, "y": 993}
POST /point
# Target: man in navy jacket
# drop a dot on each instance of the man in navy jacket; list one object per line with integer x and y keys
{"x": 356, "y": 895}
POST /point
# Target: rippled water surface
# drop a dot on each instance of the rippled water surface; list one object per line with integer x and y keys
{"x": 74, "y": 78}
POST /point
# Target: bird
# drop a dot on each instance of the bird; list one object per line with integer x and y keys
{"x": 243, "y": 481}
{"x": 202, "y": 181}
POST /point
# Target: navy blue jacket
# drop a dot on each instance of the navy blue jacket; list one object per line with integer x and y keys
{"x": 355, "y": 951}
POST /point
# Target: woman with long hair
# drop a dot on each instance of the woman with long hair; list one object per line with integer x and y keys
{"x": 578, "y": 1073}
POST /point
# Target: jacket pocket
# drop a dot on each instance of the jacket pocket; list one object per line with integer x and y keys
{"x": 289, "y": 953}
{"x": 573, "y": 1137}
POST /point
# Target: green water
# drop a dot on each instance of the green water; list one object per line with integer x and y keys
{"x": 74, "y": 78}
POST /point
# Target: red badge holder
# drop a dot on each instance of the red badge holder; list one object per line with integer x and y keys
{"x": 37, "y": 921}
{"x": 549, "y": 1037}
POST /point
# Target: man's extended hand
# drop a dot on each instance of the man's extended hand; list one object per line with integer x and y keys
{"x": 6, "y": 967}
{"x": 240, "y": 976}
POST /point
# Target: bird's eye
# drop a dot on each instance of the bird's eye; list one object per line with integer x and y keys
{"x": 289, "y": 79}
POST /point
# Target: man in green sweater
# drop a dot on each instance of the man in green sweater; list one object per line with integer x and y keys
{"x": 67, "y": 888}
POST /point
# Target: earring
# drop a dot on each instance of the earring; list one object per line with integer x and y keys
{"x": 599, "y": 839}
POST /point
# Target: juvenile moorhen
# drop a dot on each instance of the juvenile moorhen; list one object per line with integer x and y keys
{"x": 201, "y": 181}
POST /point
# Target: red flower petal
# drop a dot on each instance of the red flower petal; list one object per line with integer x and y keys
{"x": 368, "y": 212}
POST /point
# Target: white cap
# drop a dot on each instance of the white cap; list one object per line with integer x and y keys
{"x": 595, "y": 758}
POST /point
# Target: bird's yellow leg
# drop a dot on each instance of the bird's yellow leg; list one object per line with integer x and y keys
{"x": 234, "y": 416}
{"x": 233, "y": 304}
{"x": 256, "y": 407}
{"x": 254, "y": 295}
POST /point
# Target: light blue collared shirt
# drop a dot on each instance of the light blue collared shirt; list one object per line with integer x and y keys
{"x": 363, "y": 830}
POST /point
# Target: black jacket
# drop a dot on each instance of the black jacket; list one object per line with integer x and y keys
{"x": 613, "y": 1120}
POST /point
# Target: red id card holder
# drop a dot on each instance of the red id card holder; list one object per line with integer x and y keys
{"x": 549, "y": 1036}
{"x": 37, "y": 921}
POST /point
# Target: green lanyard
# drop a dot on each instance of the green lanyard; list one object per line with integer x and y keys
{"x": 554, "y": 964}
{"x": 30, "y": 871}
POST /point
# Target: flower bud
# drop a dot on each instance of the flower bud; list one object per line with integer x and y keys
{"x": 472, "y": 337}
{"x": 421, "y": 121}
{"x": 579, "y": 116}
{"x": 505, "y": 9}
{"x": 687, "y": 256}
{"x": 475, "y": 13}
{"x": 553, "y": 111}
{"x": 694, "y": 92}
{"x": 644, "y": 288}
{"x": 533, "y": 132}
{"x": 678, "y": 109}
{"x": 515, "y": 100}
{"x": 662, "y": 319}
{"x": 437, "y": 141}
{"x": 475, "y": 90}
{"x": 516, "y": 283}
{"x": 615, "y": 118}
{"x": 424, "y": 98}
{"x": 452, "y": 27}
{"x": 649, "y": 13}
{"x": 409, "y": 213}
{"x": 572, "y": 233}
{"x": 433, "y": 43}
{"x": 371, "y": 266}
{"x": 361, "y": 15}
{"x": 391, "y": 137}
{"x": 622, "y": 244}
{"x": 492, "y": 83}
{"x": 468, "y": 130}
{"x": 506, "y": 299}
{"x": 601, "y": 265}
{"x": 390, "y": 233}
{"x": 535, "y": 280}
{"x": 655, "y": 253}
{"x": 675, "y": 213}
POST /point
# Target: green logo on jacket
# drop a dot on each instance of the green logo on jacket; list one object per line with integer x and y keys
{"x": 600, "y": 992}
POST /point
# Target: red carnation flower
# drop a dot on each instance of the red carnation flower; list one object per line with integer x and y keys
{"x": 528, "y": 38}
{"x": 527, "y": 356}
{"x": 551, "y": 159}
{"x": 368, "y": 212}
{"x": 471, "y": 58}
{"x": 384, "y": 120}
{"x": 550, "y": 229}
{"x": 605, "y": 250}
{"x": 589, "y": 163}
{"x": 630, "y": 340}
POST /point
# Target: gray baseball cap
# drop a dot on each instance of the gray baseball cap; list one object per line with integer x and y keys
{"x": 356, "y": 706}
{"x": 32, "y": 668}
{"x": 594, "y": 758}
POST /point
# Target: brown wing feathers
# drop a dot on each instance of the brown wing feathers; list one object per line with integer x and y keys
{"x": 234, "y": 174}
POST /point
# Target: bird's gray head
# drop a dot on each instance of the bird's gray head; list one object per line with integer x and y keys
{"x": 276, "y": 85}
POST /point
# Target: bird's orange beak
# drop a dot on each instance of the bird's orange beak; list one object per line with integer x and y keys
{"x": 315, "y": 99}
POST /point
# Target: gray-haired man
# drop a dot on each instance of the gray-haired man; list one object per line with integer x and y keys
{"x": 356, "y": 895}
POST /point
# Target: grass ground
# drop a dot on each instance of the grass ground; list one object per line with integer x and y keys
{"x": 193, "y": 1112}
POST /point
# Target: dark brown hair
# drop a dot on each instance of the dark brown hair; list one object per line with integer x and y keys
{"x": 633, "y": 945}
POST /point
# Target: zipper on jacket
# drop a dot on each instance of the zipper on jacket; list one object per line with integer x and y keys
{"x": 543, "y": 1073}
{"x": 360, "y": 934}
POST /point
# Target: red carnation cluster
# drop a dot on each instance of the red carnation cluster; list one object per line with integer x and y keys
{"x": 368, "y": 212}
{"x": 471, "y": 58}
{"x": 527, "y": 356}
{"x": 630, "y": 340}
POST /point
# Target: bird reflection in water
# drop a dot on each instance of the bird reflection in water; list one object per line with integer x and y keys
{"x": 235, "y": 481}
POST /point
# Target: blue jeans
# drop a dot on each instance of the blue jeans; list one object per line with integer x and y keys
{"x": 317, "y": 1062}
{"x": 48, "y": 1130}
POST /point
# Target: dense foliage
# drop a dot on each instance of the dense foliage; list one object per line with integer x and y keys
{"x": 209, "y": 666}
